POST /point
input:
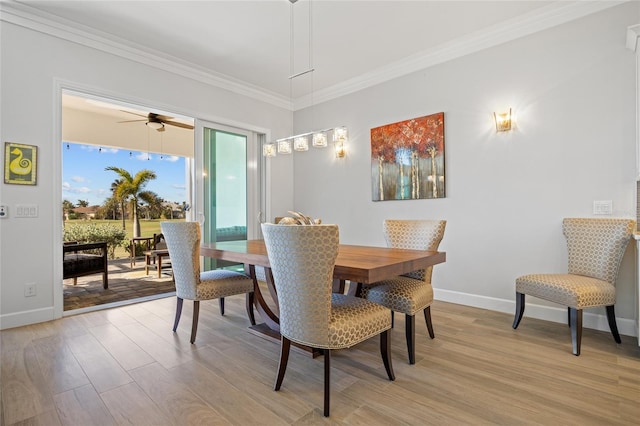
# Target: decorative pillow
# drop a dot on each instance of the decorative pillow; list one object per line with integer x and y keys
{"x": 298, "y": 219}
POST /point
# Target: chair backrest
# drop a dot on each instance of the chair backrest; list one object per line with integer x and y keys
{"x": 159, "y": 242}
{"x": 302, "y": 260}
{"x": 596, "y": 246}
{"x": 415, "y": 235}
{"x": 183, "y": 243}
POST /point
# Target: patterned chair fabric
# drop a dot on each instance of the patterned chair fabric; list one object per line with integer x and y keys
{"x": 409, "y": 293}
{"x": 595, "y": 249}
{"x": 302, "y": 260}
{"x": 183, "y": 243}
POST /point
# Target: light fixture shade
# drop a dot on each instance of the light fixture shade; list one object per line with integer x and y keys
{"x": 503, "y": 121}
{"x": 301, "y": 143}
{"x": 340, "y": 134}
{"x": 284, "y": 146}
{"x": 155, "y": 125}
{"x": 340, "y": 138}
{"x": 269, "y": 149}
{"x": 340, "y": 149}
{"x": 320, "y": 140}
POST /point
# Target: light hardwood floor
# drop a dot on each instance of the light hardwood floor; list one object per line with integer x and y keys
{"x": 125, "y": 366}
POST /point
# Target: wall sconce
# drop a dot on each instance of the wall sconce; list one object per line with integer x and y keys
{"x": 340, "y": 138}
{"x": 269, "y": 150}
{"x": 503, "y": 121}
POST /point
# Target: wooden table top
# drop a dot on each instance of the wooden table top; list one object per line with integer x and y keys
{"x": 363, "y": 264}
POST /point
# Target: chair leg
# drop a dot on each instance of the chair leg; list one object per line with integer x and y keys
{"x": 576, "y": 329}
{"x": 194, "y": 324}
{"x": 427, "y": 318}
{"x": 249, "y": 303}
{"x": 385, "y": 351}
{"x": 519, "y": 309}
{"x": 221, "y": 301}
{"x": 327, "y": 382}
{"x": 410, "y": 333}
{"x": 178, "y": 313}
{"x": 611, "y": 317}
{"x": 285, "y": 346}
{"x": 569, "y": 316}
{"x": 392, "y": 319}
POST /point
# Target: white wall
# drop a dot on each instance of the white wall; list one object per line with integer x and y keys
{"x": 34, "y": 68}
{"x": 571, "y": 87}
{"x": 573, "y": 91}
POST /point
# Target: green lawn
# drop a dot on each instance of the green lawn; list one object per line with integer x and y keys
{"x": 147, "y": 229}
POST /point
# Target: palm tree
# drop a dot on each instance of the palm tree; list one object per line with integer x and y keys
{"x": 154, "y": 203}
{"x": 130, "y": 188}
{"x": 121, "y": 201}
{"x": 67, "y": 207}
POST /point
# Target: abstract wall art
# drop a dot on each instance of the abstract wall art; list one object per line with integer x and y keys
{"x": 407, "y": 159}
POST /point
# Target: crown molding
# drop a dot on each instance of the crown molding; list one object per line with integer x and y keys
{"x": 28, "y": 17}
{"x": 545, "y": 17}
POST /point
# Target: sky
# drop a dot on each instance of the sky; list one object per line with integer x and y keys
{"x": 84, "y": 176}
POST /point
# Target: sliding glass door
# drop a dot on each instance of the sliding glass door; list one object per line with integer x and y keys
{"x": 230, "y": 182}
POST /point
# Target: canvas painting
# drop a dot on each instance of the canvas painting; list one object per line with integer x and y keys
{"x": 407, "y": 159}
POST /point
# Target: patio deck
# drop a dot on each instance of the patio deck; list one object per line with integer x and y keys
{"x": 125, "y": 283}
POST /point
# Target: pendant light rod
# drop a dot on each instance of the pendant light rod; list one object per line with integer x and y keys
{"x": 301, "y": 73}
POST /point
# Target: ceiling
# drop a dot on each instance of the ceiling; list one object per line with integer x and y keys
{"x": 249, "y": 42}
{"x": 247, "y": 46}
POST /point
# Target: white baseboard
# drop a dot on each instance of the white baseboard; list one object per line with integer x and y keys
{"x": 626, "y": 327}
{"x": 18, "y": 319}
{"x": 558, "y": 314}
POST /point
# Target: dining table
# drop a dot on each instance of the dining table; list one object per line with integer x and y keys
{"x": 357, "y": 264}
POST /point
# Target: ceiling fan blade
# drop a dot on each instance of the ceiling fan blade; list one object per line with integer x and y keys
{"x": 134, "y": 113}
{"x": 175, "y": 123}
{"x": 153, "y": 115}
{"x": 131, "y": 121}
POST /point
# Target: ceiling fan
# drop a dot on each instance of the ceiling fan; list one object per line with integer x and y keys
{"x": 157, "y": 121}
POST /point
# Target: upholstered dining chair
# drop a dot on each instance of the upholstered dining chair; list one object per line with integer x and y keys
{"x": 183, "y": 243}
{"x": 595, "y": 249}
{"x": 302, "y": 260}
{"x": 409, "y": 293}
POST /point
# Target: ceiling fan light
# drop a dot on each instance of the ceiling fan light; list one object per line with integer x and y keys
{"x": 155, "y": 125}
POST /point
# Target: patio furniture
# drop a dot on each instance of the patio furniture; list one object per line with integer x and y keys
{"x": 80, "y": 259}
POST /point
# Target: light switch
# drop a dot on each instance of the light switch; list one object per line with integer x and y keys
{"x": 603, "y": 207}
{"x": 26, "y": 210}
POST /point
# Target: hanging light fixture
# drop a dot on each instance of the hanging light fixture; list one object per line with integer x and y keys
{"x": 269, "y": 149}
{"x": 301, "y": 143}
{"x": 318, "y": 138}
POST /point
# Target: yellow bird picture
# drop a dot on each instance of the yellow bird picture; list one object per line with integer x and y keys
{"x": 20, "y": 164}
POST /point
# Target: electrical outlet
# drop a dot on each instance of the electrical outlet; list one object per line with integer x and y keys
{"x": 29, "y": 290}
